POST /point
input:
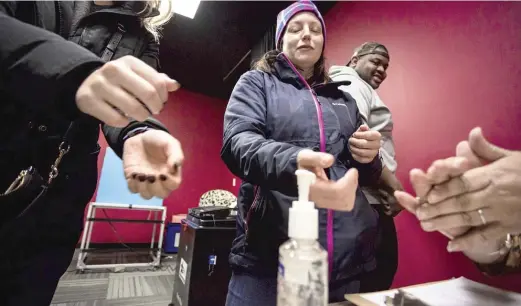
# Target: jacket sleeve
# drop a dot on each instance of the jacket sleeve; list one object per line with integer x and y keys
{"x": 151, "y": 53}
{"x": 246, "y": 150}
{"x": 362, "y": 96}
{"x": 116, "y": 136}
{"x": 380, "y": 119}
{"x": 369, "y": 174}
{"x": 377, "y": 116}
{"x": 38, "y": 68}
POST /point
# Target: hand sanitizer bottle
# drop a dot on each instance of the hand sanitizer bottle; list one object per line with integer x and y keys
{"x": 303, "y": 272}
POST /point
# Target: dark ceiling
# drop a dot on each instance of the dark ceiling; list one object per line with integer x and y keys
{"x": 200, "y": 53}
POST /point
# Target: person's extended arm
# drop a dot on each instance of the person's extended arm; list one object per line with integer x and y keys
{"x": 116, "y": 136}
{"x": 369, "y": 173}
{"x": 38, "y": 68}
{"x": 389, "y": 181}
{"x": 246, "y": 151}
{"x": 378, "y": 117}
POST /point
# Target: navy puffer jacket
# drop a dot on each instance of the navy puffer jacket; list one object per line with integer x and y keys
{"x": 271, "y": 117}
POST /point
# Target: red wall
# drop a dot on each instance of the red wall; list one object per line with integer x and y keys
{"x": 196, "y": 121}
{"x": 454, "y": 66}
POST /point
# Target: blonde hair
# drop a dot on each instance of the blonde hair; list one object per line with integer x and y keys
{"x": 155, "y": 24}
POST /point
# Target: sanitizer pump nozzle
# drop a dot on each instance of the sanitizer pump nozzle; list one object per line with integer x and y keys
{"x": 305, "y": 179}
{"x": 303, "y": 216}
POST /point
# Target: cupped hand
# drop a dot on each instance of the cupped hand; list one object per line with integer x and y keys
{"x": 364, "y": 144}
{"x": 152, "y": 163}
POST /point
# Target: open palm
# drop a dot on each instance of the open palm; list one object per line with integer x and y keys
{"x": 152, "y": 163}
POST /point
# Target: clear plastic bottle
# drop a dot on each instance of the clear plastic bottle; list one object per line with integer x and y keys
{"x": 303, "y": 271}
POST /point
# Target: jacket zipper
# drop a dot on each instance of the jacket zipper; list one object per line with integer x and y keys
{"x": 330, "y": 245}
{"x": 60, "y": 19}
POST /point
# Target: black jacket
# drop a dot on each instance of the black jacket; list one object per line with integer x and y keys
{"x": 39, "y": 75}
{"x": 93, "y": 27}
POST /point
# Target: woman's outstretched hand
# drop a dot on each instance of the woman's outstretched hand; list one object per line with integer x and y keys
{"x": 336, "y": 195}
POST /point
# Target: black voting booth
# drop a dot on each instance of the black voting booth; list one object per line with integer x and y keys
{"x": 202, "y": 271}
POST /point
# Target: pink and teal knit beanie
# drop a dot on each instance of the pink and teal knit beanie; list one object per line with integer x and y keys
{"x": 285, "y": 16}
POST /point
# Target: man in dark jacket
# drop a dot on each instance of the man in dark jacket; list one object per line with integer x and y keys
{"x": 46, "y": 83}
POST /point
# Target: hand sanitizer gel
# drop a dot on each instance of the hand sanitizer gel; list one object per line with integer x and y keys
{"x": 303, "y": 272}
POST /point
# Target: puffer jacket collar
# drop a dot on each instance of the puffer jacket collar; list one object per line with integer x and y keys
{"x": 286, "y": 72}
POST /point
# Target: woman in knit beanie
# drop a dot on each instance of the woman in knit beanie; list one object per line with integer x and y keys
{"x": 305, "y": 56}
{"x": 283, "y": 115}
